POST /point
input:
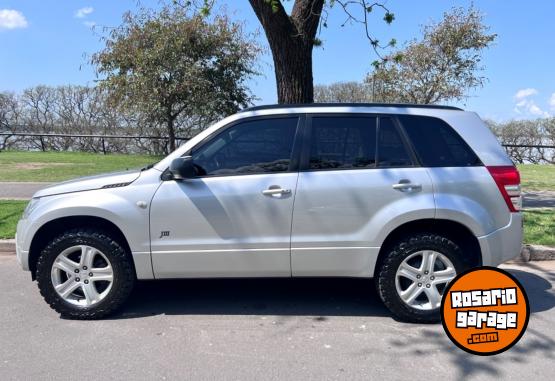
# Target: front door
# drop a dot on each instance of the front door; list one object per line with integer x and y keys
{"x": 234, "y": 219}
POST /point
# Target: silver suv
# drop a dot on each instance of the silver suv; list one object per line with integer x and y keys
{"x": 407, "y": 195}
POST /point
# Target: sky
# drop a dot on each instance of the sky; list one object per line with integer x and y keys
{"x": 49, "y": 42}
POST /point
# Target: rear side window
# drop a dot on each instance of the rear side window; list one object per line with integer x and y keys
{"x": 391, "y": 149}
{"x": 436, "y": 143}
{"x": 343, "y": 143}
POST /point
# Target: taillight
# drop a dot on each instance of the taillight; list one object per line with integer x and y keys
{"x": 507, "y": 179}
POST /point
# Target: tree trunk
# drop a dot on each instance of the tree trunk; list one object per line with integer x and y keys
{"x": 171, "y": 133}
{"x": 291, "y": 40}
{"x": 293, "y": 70}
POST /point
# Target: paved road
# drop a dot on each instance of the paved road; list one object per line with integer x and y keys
{"x": 24, "y": 191}
{"x": 256, "y": 329}
{"x": 539, "y": 199}
{"x": 19, "y": 191}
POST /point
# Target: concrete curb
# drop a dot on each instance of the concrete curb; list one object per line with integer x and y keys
{"x": 528, "y": 253}
{"x": 7, "y": 245}
{"x": 537, "y": 253}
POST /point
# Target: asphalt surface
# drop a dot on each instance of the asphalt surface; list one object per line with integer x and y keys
{"x": 19, "y": 191}
{"x": 256, "y": 329}
{"x": 24, "y": 191}
{"x": 539, "y": 199}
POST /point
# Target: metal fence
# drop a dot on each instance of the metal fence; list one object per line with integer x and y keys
{"x": 42, "y": 138}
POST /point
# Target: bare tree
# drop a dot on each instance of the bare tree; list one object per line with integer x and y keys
{"x": 9, "y": 118}
{"x": 526, "y": 138}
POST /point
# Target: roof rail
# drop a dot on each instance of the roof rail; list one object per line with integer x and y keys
{"x": 315, "y": 105}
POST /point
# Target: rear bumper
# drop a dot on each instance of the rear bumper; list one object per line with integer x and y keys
{"x": 503, "y": 244}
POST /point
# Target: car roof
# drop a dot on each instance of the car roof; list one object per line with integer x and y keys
{"x": 349, "y": 105}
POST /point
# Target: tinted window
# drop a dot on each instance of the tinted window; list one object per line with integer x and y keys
{"x": 343, "y": 142}
{"x": 436, "y": 143}
{"x": 391, "y": 150}
{"x": 257, "y": 146}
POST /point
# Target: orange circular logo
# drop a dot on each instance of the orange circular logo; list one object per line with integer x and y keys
{"x": 485, "y": 311}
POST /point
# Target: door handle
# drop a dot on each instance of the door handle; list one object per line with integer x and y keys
{"x": 274, "y": 189}
{"x": 406, "y": 186}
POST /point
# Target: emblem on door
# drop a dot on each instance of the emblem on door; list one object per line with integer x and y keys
{"x": 164, "y": 233}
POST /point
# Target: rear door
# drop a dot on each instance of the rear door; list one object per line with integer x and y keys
{"x": 358, "y": 179}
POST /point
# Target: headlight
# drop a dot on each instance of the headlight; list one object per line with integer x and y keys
{"x": 30, "y": 207}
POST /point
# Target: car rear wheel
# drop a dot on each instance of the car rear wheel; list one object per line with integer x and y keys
{"x": 85, "y": 274}
{"x": 415, "y": 273}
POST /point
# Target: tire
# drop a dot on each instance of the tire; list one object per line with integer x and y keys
{"x": 410, "y": 250}
{"x": 109, "y": 257}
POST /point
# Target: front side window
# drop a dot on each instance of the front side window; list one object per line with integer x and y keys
{"x": 343, "y": 143}
{"x": 251, "y": 147}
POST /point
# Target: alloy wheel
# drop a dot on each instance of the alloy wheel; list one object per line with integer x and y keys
{"x": 422, "y": 277}
{"x": 82, "y": 275}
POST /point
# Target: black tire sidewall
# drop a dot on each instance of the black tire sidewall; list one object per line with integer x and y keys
{"x": 387, "y": 274}
{"x": 113, "y": 252}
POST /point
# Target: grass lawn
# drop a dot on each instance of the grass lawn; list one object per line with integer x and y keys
{"x": 10, "y": 211}
{"x": 59, "y": 166}
{"x": 539, "y": 224}
{"x": 537, "y": 177}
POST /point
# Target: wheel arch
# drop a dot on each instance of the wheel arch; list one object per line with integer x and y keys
{"x": 453, "y": 230}
{"x": 58, "y": 225}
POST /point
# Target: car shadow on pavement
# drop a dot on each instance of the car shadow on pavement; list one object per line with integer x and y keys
{"x": 537, "y": 289}
{"x": 283, "y": 296}
{"x": 308, "y": 296}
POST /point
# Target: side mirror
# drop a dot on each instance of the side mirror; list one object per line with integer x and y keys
{"x": 183, "y": 168}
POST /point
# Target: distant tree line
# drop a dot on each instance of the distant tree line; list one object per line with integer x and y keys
{"x": 538, "y": 132}
{"x": 87, "y": 111}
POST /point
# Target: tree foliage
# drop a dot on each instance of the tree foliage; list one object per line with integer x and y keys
{"x": 177, "y": 62}
{"x": 444, "y": 65}
{"x": 342, "y": 92}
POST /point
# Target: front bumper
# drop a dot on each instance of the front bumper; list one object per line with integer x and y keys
{"x": 22, "y": 255}
{"x": 503, "y": 244}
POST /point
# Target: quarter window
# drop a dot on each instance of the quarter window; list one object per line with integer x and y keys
{"x": 256, "y": 146}
{"x": 436, "y": 143}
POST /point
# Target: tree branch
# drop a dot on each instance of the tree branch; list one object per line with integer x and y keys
{"x": 275, "y": 21}
{"x": 367, "y": 8}
{"x": 306, "y": 17}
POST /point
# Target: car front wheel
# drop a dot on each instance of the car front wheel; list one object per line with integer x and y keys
{"x": 85, "y": 274}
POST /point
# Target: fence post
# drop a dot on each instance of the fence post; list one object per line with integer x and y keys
{"x": 103, "y": 146}
{"x": 42, "y": 143}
